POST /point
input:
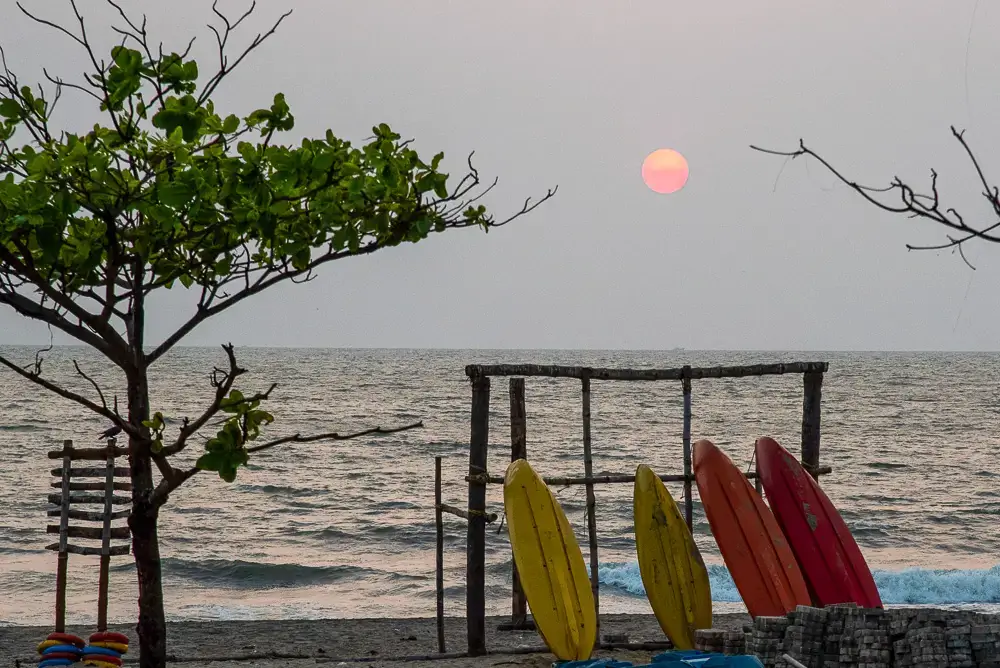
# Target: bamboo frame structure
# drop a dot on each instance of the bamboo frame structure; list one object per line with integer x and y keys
{"x": 69, "y": 496}
{"x": 479, "y": 477}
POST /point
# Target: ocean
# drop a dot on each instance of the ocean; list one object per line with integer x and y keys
{"x": 346, "y": 529}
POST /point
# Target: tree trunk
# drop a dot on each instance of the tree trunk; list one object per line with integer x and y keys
{"x": 151, "y": 627}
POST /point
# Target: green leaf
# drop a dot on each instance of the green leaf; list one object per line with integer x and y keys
{"x": 10, "y": 109}
{"x": 231, "y": 124}
{"x": 175, "y": 194}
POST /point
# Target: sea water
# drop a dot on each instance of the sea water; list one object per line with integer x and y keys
{"x": 347, "y": 528}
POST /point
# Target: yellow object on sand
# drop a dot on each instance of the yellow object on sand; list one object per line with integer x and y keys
{"x": 100, "y": 664}
{"x": 45, "y": 644}
{"x": 549, "y": 564}
{"x": 121, "y": 648}
{"x": 671, "y": 566}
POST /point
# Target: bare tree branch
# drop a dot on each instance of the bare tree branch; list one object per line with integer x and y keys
{"x": 97, "y": 387}
{"x": 72, "y": 396}
{"x": 914, "y": 204}
{"x": 167, "y": 486}
{"x": 223, "y": 381}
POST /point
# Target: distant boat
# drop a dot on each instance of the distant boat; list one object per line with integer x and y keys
{"x": 677, "y": 350}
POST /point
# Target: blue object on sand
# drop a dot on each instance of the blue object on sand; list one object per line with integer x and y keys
{"x": 699, "y": 659}
{"x": 593, "y": 663}
{"x": 62, "y": 649}
{"x": 55, "y": 662}
{"x": 90, "y": 650}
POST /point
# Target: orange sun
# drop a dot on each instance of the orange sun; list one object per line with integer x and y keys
{"x": 665, "y": 171}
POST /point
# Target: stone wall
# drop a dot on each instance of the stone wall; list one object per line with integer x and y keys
{"x": 845, "y": 636}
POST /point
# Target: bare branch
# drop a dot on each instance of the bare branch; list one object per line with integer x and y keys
{"x": 167, "y": 486}
{"x": 50, "y": 24}
{"x": 97, "y": 387}
{"x": 222, "y": 40}
{"x": 223, "y": 381}
{"x": 67, "y": 394}
{"x": 914, "y": 204}
{"x": 331, "y": 436}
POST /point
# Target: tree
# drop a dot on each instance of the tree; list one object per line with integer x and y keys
{"x": 901, "y": 198}
{"x": 170, "y": 191}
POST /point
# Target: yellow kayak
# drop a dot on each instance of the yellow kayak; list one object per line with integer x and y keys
{"x": 673, "y": 573}
{"x": 550, "y": 565}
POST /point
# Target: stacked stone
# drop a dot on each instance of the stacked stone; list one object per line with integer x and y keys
{"x": 709, "y": 640}
{"x": 985, "y": 641}
{"x": 871, "y": 638}
{"x": 834, "y": 632}
{"x": 734, "y": 643}
{"x": 900, "y": 622}
{"x": 766, "y": 639}
{"x": 958, "y": 640}
{"x": 851, "y": 619}
{"x": 804, "y": 638}
{"x": 928, "y": 645}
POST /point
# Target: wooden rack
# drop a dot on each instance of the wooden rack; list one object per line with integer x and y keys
{"x": 97, "y": 487}
{"x": 479, "y": 477}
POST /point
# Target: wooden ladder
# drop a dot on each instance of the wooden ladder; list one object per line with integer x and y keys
{"x": 83, "y": 486}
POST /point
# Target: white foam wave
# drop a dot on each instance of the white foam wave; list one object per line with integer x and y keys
{"x": 911, "y": 586}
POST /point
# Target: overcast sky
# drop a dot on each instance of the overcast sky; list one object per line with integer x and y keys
{"x": 576, "y": 93}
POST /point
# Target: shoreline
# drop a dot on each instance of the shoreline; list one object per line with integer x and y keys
{"x": 375, "y": 641}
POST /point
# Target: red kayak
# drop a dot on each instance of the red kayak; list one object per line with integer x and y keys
{"x": 755, "y": 551}
{"x": 831, "y": 561}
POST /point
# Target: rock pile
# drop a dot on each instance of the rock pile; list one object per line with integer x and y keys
{"x": 845, "y": 636}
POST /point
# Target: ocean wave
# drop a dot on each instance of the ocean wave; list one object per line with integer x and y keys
{"x": 239, "y": 574}
{"x": 912, "y": 586}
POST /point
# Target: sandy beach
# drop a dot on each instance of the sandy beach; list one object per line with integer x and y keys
{"x": 270, "y": 644}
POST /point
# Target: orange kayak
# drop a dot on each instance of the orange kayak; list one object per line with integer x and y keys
{"x": 755, "y": 551}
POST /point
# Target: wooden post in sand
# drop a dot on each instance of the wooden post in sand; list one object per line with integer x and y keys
{"x": 109, "y": 491}
{"x": 812, "y": 382}
{"x": 588, "y": 470}
{"x": 439, "y": 569}
{"x": 686, "y": 441}
{"x": 475, "y": 568}
{"x": 63, "y": 558}
{"x": 518, "y": 450}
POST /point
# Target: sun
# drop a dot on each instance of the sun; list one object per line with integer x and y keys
{"x": 665, "y": 171}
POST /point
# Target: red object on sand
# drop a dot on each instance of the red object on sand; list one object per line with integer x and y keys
{"x": 109, "y": 636}
{"x": 831, "y": 560}
{"x": 103, "y": 658}
{"x": 67, "y": 638}
{"x": 755, "y": 551}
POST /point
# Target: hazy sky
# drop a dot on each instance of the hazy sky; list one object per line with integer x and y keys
{"x": 576, "y": 93}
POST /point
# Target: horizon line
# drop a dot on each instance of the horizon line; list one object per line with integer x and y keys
{"x": 544, "y": 349}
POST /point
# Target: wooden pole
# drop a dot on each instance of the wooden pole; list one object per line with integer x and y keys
{"x": 614, "y": 478}
{"x": 439, "y": 569}
{"x": 102, "y": 591}
{"x": 686, "y": 440}
{"x": 63, "y": 558}
{"x": 588, "y": 468}
{"x": 518, "y": 450}
{"x": 557, "y": 371}
{"x": 812, "y": 396}
{"x": 757, "y": 484}
{"x": 475, "y": 567}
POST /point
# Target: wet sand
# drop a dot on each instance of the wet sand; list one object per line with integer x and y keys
{"x": 378, "y": 642}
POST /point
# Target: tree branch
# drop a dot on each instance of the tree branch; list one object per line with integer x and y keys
{"x": 167, "y": 486}
{"x": 72, "y": 396}
{"x": 921, "y": 205}
{"x": 265, "y": 281}
{"x": 223, "y": 381}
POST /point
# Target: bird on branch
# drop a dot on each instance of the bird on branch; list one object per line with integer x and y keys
{"x": 110, "y": 433}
